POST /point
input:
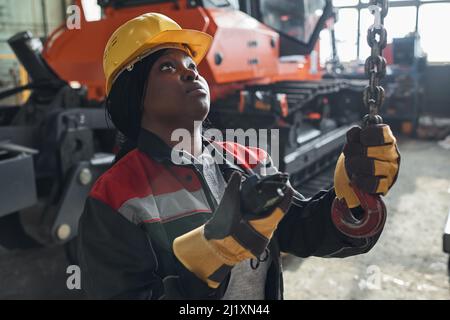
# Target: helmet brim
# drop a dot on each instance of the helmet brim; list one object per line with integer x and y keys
{"x": 198, "y": 43}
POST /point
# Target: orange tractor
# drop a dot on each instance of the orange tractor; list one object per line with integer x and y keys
{"x": 263, "y": 70}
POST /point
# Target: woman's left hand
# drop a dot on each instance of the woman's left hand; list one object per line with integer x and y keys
{"x": 370, "y": 162}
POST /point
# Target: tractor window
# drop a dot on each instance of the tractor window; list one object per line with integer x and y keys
{"x": 234, "y": 4}
{"x": 297, "y": 18}
{"x": 92, "y": 11}
{"x": 216, "y": 3}
{"x": 132, "y": 3}
{"x": 128, "y": 3}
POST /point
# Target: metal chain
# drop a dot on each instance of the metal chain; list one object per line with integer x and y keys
{"x": 375, "y": 66}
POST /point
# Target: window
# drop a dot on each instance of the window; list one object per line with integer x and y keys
{"x": 433, "y": 26}
{"x": 399, "y": 23}
{"x": 234, "y": 4}
{"x": 92, "y": 11}
{"x": 434, "y": 30}
{"x": 297, "y": 19}
{"x": 326, "y": 50}
{"x": 343, "y": 3}
{"x": 346, "y": 34}
{"x": 219, "y": 3}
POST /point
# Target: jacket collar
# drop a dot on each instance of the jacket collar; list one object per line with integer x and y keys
{"x": 154, "y": 147}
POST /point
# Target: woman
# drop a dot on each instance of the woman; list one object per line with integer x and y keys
{"x": 155, "y": 229}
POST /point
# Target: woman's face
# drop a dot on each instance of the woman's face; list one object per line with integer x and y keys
{"x": 176, "y": 94}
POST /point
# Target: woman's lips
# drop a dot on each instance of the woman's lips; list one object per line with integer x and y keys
{"x": 197, "y": 92}
{"x": 196, "y": 88}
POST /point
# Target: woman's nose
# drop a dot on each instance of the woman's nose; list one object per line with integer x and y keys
{"x": 189, "y": 74}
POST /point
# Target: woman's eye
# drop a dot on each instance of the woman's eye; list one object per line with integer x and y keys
{"x": 193, "y": 67}
{"x": 167, "y": 66}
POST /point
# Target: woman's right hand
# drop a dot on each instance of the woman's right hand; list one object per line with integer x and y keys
{"x": 230, "y": 236}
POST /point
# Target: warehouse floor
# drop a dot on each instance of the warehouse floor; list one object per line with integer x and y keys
{"x": 408, "y": 261}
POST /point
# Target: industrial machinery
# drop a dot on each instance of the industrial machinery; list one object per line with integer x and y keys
{"x": 405, "y": 84}
{"x": 263, "y": 71}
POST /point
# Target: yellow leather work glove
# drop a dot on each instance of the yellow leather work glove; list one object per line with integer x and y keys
{"x": 231, "y": 235}
{"x": 370, "y": 162}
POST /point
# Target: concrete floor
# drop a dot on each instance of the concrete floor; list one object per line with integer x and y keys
{"x": 36, "y": 274}
{"x": 408, "y": 261}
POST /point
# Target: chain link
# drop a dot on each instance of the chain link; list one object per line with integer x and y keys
{"x": 375, "y": 66}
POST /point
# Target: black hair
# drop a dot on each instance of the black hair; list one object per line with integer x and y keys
{"x": 125, "y": 102}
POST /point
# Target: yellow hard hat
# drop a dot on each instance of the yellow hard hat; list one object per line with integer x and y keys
{"x": 144, "y": 35}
